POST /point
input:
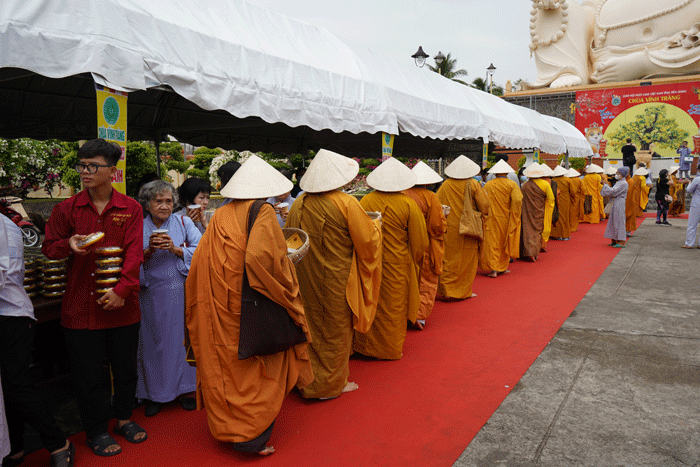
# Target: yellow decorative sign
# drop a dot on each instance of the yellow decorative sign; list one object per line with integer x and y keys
{"x": 536, "y": 156}
{"x": 111, "y": 126}
{"x": 485, "y": 156}
{"x": 387, "y": 146}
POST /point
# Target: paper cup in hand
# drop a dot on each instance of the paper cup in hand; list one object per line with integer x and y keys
{"x": 194, "y": 206}
{"x": 283, "y": 207}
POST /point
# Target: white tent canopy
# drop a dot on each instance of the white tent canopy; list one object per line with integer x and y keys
{"x": 550, "y": 140}
{"x": 576, "y": 142}
{"x": 507, "y": 127}
{"x": 425, "y": 103}
{"x": 219, "y": 54}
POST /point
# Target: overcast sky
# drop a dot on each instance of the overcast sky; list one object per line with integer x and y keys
{"x": 475, "y": 32}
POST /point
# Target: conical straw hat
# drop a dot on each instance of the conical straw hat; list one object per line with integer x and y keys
{"x": 328, "y": 171}
{"x": 612, "y": 170}
{"x": 501, "y": 167}
{"x": 462, "y": 168}
{"x": 256, "y": 179}
{"x": 572, "y": 173}
{"x": 534, "y": 170}
{"x": 594, "y": 169}
{"x": 547, "y": 171}
{"x": 673, "y": 168}
{"x": 641, "y": 171}
{"x": 425, "y": 175}
{"x": 559, "y": 171}
{"x": 391, "y": 176}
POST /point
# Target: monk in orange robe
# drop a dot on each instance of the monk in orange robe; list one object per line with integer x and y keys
{"x": 645, "y": 186}
{"x": 677, "y": 192}
{"x": 341, "y": 274}
{"x": 576, "y": 186}
{"x": 561, "y": 230}
{"x": 634, "y": 191}
{"x": 591, "y": 188}
{"x": 435, "y": 222}
{"x": 404, "y": 243}
{"x": 461, "y": 252}
{"x": 243, "y": 397}
{"x": 502, "y": 225}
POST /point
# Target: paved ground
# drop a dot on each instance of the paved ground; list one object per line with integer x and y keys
{"x": 619, "y": 384}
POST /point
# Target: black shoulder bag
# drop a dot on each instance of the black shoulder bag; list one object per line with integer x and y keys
{"x": 266, "y": 327}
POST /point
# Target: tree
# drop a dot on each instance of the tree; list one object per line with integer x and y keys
{"x": 482, "y": 85}
{"x": 28, "y": 164}
{"x": 447, "y": 69}
{"x": 202, "y": 160}
{"x": 140, "y": 161}
{"x": 653, "y": 126}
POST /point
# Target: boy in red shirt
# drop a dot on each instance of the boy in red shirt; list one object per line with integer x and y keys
{"x": 99, "y": 326}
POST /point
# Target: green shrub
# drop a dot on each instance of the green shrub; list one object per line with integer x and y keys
{"x": 368, "y": 162}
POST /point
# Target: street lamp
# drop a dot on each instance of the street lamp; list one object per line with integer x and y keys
{"x": 490, "y": 71}
{"x": 439, "y": 58}
{"x": 420, "y": 57}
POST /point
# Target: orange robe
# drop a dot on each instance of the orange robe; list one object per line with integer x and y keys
{"x": 634, "y": 191}
{"x": 502, "y": 225}
{"x": 339, "y": 279}
{"x": 242, "y": 397}
{"x": 404, "y": 243}
{"x": 576, "y": 186}
{"x": 461, "y": 252}
{"x": 430, "y": 270}
{"x": 591, "y": 187}
{"x": 565, "y": 199}
{"x": 677, "y": 191}
{"x": 643, "y": 195}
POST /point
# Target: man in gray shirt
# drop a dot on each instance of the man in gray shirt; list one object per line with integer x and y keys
{"x": 23, "y": 401}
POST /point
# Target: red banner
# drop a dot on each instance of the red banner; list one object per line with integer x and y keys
{"x": 657, "y": 118}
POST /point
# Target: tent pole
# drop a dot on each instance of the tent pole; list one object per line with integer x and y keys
{"x": 157, "y": 141}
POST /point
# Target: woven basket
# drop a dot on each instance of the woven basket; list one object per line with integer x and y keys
{"x": 300, "y": 252}
{"x": 446, "y": 210}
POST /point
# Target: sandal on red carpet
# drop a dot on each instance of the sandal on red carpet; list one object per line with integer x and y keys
{"x": 129, "y": 431}
{"x": 64, "y": 458}
{"x": 98, "y": 444}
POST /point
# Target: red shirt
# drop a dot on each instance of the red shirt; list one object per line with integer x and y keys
{"x": 122, "y": 223}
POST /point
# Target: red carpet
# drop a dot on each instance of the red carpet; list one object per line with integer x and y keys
{"x": 421, "y": 410}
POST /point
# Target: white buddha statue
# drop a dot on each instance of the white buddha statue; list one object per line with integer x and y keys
{"x": 607, "y": 41}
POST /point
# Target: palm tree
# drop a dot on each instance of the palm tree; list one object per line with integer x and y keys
{"x": 447, "y": 69}
{"x": 482, "y": 85}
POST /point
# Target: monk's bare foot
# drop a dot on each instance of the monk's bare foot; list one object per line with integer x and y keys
{"x": 350, "y": 387}
{"x": 419, "y": 324}
{"x": 472, "y": 295}
{"x": 493, "y": 274}
{"x": 505, "y": 272}
{"x": 267, "y": 451}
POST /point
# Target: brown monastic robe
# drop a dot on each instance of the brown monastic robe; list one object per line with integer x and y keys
{"x": 532, "y": 225}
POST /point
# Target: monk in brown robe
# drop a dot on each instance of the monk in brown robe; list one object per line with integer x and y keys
{"x": 561, "y": 230}
{"x": 634, "y": 192}
{"x": 404, "y": 242}
{"x": 435, "y": 222}
{"x": 591, "y": 189}
{"x": 461, "y": 252}
{"x": 538, "y": 204}
{"x": 576, "y": 185}
{"x": 340, "y": 275}
{"x": 502, "y": 225}
{"x": 243, "y": 397}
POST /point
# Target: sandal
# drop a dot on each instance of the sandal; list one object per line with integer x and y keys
{"x": 129, "y": 431}
{"x": 65, "y": 458}
{"x": 98, "y": 444}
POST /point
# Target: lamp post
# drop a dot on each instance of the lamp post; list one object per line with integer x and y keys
{"x": 420, "y": 57}
{"x": 439, "y": 58}
{"x": 490, "y": 71}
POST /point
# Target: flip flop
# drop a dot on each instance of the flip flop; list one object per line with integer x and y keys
{"x": 687, "y": 247}
{"x": 98, "y": 444}
{"x": 129, "y": 431}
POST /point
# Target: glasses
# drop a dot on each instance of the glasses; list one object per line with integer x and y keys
{"x": 91, "y": 168}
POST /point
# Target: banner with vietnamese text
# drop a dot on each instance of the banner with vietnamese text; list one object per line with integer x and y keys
{"x": 111, "y": 126}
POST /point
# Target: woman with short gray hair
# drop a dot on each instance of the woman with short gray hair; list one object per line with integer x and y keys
{"x": 163, "y": 372}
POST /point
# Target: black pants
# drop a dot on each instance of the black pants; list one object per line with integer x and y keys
{"x": 23, "y": 401}
{"x": 87, "y": 349}
{"x": 631, "y": 167}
